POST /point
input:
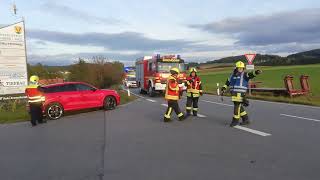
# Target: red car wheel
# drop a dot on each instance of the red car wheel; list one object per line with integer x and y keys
{"x": 109, "y": 103}
{"x": 54, "y": 111}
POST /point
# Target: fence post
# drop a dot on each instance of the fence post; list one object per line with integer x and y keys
{"x": 128, "y": 91}
{"x": 250, "y": 87}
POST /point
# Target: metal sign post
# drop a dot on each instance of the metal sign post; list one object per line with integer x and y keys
{"x": 250, "y": 58}
{"x": 250, "y": 66}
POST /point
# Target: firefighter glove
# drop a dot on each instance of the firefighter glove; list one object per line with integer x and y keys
{"x": 223, "y": 89}
{"x": 258, "y": 72}
{"x": 245, "y": 102}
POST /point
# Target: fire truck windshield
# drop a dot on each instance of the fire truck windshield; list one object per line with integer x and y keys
{"x": 131, "y": 78}
{"x": 165, "y": 67}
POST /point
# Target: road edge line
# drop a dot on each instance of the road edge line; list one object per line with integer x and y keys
{"x": 299, "y": 117}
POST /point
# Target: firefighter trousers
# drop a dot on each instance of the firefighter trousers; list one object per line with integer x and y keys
{"x": 192, "y": 105}
{"x": 239, "y": 112}
{"x": 173, "y": 105}
{"x": 36, "y": 113}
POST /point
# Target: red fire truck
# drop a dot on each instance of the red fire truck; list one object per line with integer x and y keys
{"x": 152, "y": 72}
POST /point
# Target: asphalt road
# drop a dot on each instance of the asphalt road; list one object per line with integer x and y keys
{"x": 132, "y": 143}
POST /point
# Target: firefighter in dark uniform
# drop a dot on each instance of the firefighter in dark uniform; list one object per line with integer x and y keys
{"x": 172, "y": 95}
{"x": 194, "y": 91}
{"x": 238, "y": 83}
{"x": 35, "y": 100}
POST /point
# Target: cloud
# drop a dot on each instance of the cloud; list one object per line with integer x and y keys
{"x": 280, "y": 33}
{"x": 121, "y": 41}
{"x": 41, "y": 43}
{"x": 192, "y": 55}
{"x": 125, "y": 47}
{"x": 69, "y": 12}
{"x": 67, "y": 59}
{"x": 301, "y": 26}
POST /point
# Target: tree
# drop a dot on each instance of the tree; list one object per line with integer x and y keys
{"x": 100, "y": 72}
{"x": 42, "y": 71}
{"x": 79, "y": 71}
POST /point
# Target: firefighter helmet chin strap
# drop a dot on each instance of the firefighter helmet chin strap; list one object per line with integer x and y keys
{"x": 33, "y": 83}
{"x": 194, "y": 75}
{"x": 235, "y": 71}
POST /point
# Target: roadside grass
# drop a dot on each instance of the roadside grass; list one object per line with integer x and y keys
{"x": 18, "y": 115}
{"x": 15, "y": 111}
{"x": 124, "y": 98}
{"x": 272, "y": 77}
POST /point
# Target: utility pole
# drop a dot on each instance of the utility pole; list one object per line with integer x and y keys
{"x": 14, "y": 8}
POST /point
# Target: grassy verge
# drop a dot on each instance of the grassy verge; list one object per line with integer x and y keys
{"x": 15, "y": 111}
{"x": 17, "y": 114}
{"x": 124, "y": 98}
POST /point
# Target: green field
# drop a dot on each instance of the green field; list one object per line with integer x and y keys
{"x": 272, "y": 77}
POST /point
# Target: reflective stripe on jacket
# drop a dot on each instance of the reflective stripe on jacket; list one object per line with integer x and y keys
{"x": 239, "y": 83}
{"x": 34, "y": 94}
{"x": 193, "y": 85}
{"x": 172, "y": 89}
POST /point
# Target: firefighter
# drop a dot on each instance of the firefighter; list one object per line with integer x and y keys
{"x": 35, "y": 100}
{"x": 238, "y": 83}
{"x": 172, "y": 95}
{"x": 194, "y": 91}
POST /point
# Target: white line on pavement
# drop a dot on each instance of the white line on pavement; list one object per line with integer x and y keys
{"x": 14, "y": 124}
{"x": 165, "y": 105}
{"x": 279, "y": 103}
{"x": 309, "y": 119}
{"x": 217, "y": 103}
{"x": 252, "y": 131}
{"x": 202, "y": 116}
{"x": 137, "y": 95}
{"x": 151, "y": 100}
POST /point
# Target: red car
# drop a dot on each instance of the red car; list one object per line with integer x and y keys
{"x": 71, "y": 96}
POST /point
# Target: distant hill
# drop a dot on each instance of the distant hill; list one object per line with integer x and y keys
{"x": 308, "y": 57}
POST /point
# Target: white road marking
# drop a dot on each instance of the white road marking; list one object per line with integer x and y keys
{"x": 298, "y": 117}
{"x": 165, "y": 105}
{"x": 14, "y": 124}
{"x": 137, "y": 95}
{"x": 217, "y": 103}
{"x": 287, "y": 104}
{"x": 279, "y": 103}
{"x": 252, "y": 131}
{"x": 202, "y": 116}
{"x": 151, "y": 100}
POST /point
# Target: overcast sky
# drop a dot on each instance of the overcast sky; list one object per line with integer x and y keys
{"x": 60, "y": 31}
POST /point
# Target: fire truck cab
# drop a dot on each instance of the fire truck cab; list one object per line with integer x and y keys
{"x": 152, "y": 72}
